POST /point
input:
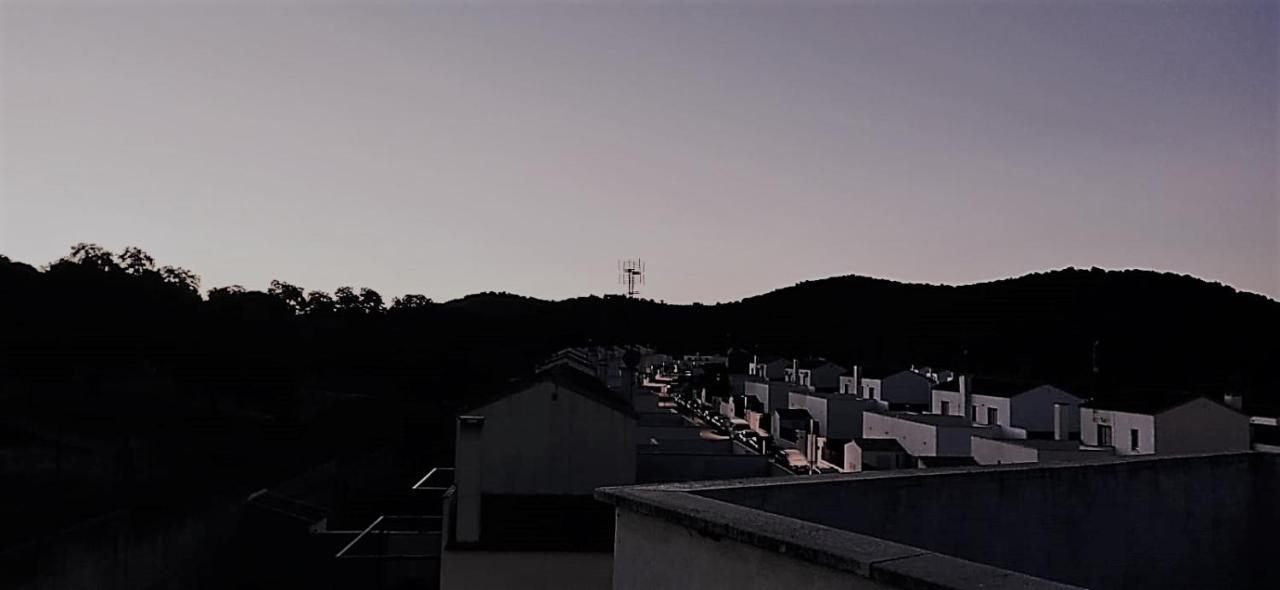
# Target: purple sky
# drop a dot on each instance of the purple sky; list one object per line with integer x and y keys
{"x": 417, "y": 147}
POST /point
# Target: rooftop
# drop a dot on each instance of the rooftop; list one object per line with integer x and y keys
{"x": 882, "y": 371}
{"x": 570, "y": 379}
{"x": 934, "y": 419}
{"x": 990, "y": 386}
{"x": 1010, "y": 526}
{"x": 888, "y": 445}
{"x": 815, "y": 363}
{"x": 830, "y": 393}
{"x": 1147, "y": 403}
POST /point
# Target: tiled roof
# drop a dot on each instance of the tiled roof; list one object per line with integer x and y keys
{"x": 570, "y": 379}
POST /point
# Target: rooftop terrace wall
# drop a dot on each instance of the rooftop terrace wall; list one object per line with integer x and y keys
{"x": 1170, "y": 522}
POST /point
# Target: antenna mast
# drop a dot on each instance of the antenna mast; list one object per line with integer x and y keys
{"x": 631, "y": 274}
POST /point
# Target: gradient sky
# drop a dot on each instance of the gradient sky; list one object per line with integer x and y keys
{"x": 419, "y": 147}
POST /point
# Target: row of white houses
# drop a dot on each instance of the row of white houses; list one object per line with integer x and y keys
{"x": 942, "y": 418}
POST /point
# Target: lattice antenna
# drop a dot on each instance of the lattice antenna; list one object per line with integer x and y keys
{"x": 631, "y": 275}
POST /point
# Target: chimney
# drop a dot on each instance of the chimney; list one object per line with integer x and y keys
{"x": 807, "y": 443}
{"x": 795, "y": 370}
{"x": 1233, "y": 400}
{"x": 1061, "y": 421}
{"x": 857, "y": 380}
{"x": 467, "y": 478}
{"x": 965, "y": 403}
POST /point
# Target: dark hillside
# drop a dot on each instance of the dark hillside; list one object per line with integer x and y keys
{"x": 104, "y": 358}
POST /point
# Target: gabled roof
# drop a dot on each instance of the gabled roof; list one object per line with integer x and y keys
{"x": 570, "y": 379}
{"x": 815, "y": 363}
{"x": 1146, "y": 403}
{"x": 991, "y": 387}
{"x": 884, "y": 445}
{"x": 1003, "y": 387}
{"x": 907, "y": 372}
{"x": 879, "y": 371}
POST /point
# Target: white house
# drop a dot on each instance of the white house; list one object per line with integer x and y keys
{"x": 837, "y": 415}
{"x": 903, "y": 390}
{"x": 905, "y": 386}
{"x": 526, "y": 463}
{"x": 991, "y": 451}
{"x": 923, "y": 435}
{"x": 769, "y": 368}
{"x": 1144, "y": 426}
{"x": 787, "y": 423}
{"x": 818, "y": 374}
{"x": 1011, "y": 404}
{"x": 772, "y": 395}
{"x": 851, "y": 455}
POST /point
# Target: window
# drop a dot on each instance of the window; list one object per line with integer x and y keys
{"x": 946, "y": 407}
{"x": 1104, "y": 435}
{"x": 1133, "y": 439}
{"x": 993, "y": 415}
{"x": 973, "y": 413}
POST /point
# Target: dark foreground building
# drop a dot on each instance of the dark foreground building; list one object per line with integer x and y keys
{"x": 1197, "y": 521}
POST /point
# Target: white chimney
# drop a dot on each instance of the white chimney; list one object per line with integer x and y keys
{"x": 1061, "y": 421}
{"x": 857, "y": 380}
{"x": 965, "y": 402}
{"x": 1233, "y": 400}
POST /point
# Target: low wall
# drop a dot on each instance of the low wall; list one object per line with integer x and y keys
{"x": 689, "y": 559}
{"x": 1205, "y": 521}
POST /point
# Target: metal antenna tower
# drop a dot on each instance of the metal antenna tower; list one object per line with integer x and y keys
{"x": 631, "y": 274}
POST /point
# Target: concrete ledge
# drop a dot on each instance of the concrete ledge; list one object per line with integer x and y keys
{"x": 935, "y": 571}
{"x": 900, "y": 565}
{"x": 977, "y": 471}
{"x": 694, "y": 506}
{"x": 803, "y": 540}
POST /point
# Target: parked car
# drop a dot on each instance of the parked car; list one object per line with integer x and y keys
{"x": 793, "y": 460}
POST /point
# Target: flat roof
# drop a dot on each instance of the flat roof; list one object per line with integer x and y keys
{"x": 935, "y": 419}
{"x": 895, "y": 527}
{"x": 878, "y": 559}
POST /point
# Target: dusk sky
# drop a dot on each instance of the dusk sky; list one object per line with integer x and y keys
{"x": 736, "y": 147}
